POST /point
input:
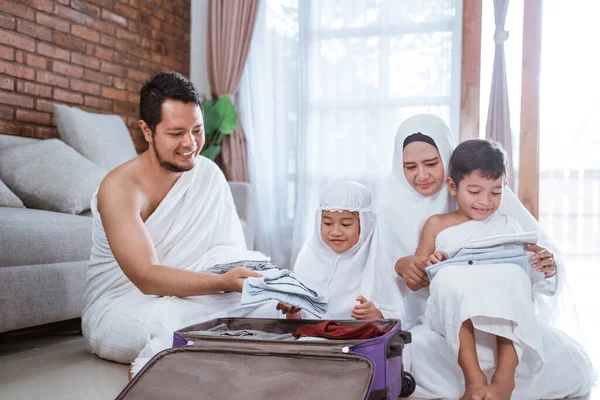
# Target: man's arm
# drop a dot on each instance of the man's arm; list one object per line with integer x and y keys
{"x": 134, "y": 251}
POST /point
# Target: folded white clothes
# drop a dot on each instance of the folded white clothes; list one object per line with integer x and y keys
{"x": 254, "y": 265}
{"x": 283, "y": 285}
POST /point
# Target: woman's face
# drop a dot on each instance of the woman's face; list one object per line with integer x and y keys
{"x": 423, "y": 168}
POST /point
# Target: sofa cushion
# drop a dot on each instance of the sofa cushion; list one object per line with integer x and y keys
{"x": 8, "y": 141}
{"x": 8, "y": 198}
{"x": 32, "y": 237}
{"x": 103, "y": 139}
{"x": 49, "y": 175}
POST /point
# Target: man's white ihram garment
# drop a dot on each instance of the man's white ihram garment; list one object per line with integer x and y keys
{"x": 194, "y": 227}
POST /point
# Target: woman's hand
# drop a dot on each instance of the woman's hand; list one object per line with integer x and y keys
{"x": 412, "y": 270}
{"x": 543, "y": 260}
{"x": 290, "y": 312}
{"x": 366, "y": 310}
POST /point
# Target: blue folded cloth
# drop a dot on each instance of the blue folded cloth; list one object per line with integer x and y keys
{"x": 490, "y": 255}
{"x": 250, "y": 264}
{"x": 283, "y": 285}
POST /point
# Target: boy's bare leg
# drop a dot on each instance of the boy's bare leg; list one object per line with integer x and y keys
{"x": 503, "y": 380}
{"x": 475, "y": 379}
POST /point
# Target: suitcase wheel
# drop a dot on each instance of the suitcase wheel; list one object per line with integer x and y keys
{"x": 408, "y": 384}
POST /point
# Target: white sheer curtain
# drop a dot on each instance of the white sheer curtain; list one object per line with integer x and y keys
{"x": 326, "y": 85}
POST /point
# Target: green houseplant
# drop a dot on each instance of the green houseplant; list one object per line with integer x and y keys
{"x": 220, "y": 119}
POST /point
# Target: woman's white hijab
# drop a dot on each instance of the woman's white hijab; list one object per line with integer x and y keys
{"x": 404, "y": 211}
{"x": 342, "y": 272}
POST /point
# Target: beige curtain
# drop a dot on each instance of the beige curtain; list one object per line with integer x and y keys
{"x": 230, "y": 27}
{"x": 498, "y": 123}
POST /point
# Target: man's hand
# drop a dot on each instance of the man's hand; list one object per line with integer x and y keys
{"x": 365, "y": 310}
{"x": 233, "y": 280}
{"x": 290, "y": 312}
{"x": 412, "y": 269}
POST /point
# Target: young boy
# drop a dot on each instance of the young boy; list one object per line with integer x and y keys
{"x": 477, "y": 179}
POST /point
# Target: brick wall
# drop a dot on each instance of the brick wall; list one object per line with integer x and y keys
{"x": 92, "y": 54}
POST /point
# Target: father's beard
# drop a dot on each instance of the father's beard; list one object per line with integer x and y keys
{"x": 170, "y": 166}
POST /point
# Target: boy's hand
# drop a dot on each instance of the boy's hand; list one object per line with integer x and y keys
{"x": 290, "y": 312}
{"x": 412, "y": 270}
{"x": 437, "y": 257}
{"x": 365, "y": 310}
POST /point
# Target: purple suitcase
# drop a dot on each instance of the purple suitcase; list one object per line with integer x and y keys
{"x": 225, "y": 367}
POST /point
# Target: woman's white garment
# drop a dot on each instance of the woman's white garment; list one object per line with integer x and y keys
{"x": 193, "y": 228}
{"x": 496, "y": 297}
{"x": 403, "y": 213}
{"x": 343, "y": 273}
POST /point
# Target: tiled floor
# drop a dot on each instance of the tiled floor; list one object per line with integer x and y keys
{"x": 58, "y": 367}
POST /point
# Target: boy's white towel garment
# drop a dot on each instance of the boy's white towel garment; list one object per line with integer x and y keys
{"x": 495, "y": 296}
{"x": 283, "y": 285}
{"x": 195, "y": 227}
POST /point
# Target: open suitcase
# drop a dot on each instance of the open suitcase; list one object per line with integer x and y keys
{"x": 221, "y": 367}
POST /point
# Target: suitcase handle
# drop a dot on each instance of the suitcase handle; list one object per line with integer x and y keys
{"x": 396, "y": 345}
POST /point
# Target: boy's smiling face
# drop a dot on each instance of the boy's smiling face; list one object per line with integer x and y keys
{"x": 340, "y": 230}
{"x": 478, "y": 197}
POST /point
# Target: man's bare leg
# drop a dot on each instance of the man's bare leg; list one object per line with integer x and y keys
{"x": 475, "y": 379}
{"x": 503, "y": 380}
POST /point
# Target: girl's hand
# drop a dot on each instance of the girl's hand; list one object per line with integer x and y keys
{"x": 366, "y": 310}
{"x": 290, "y": 312}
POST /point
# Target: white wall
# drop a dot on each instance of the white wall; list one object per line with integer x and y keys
{"x": 198, "y": 70}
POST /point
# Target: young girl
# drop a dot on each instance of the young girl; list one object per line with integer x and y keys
{"x": 338, "y": 252}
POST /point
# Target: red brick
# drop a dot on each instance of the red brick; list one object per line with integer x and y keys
{"x": 7, "y": 83}
{"x": 6, "y": 112}
{"x": 85, "y": 87}
{"x": 67, "y": 69}
{"x": 18, "y": 10}
{"x": 16, "y": 70}
{"x": 85, "y": 61}
{"x": 51, "y": 79}
{"x": 34, "y": 89}
{"x": 69, "y": 42}
{"x": 127, "y": 12}
{"x": 105, "y": 54}
{"x": 120, "y": 84}
{"x": 112, "y": 17}
{"x": 34, "y": 117}
{"x": 46, "y": 132}
{"x": 133, "y": 98}
{"x": 85, "y": 33}
{"x": 7, "y": 22}
{"x": 44, "y": 105}
{"x": 138, "y": 76}
{"x": 85, "y": 8}
{"x": 64, "y": 2}
{"x": 53, "y": 22}
{"x": 36, "y": 61}
{"x": 16, "y": 129}
{"x": 18, "y": 41}
{"x": 125, "y": 108}
{"x": 19, "y": 57}
{"x": 128, "y": 36}
{"x": 113, "y": 69}
{"x": 129, "y": 61}
{"x": 140, "y": 53}
{"x": 54, "y": 52}
{"x": 107, "y": 41}
{"x": 114, "y": 94}
{"x": 7, "y": 53}
{"x": 68, "y": 97}
{"x": 70, "y": 14}
{"x": 108, "y": 4}
{"x": 34, "y": 30}
{"x": 100, "y": 26}
{"x": 42, "y": 5}
{"x": 14, "y": 99}
{"x": 95, "y": 102}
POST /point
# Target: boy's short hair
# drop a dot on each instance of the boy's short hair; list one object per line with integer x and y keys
{"x": 486, "y": 157}
{"x": 161, "y": 87}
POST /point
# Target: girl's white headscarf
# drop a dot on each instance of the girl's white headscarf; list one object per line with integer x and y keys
{"x": 342, "y": 272}
{"x": 404, "y": 211}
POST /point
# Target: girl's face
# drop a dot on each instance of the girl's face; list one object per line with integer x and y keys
{"x": 340, "y": 230}
{"x": 423, "y": 168}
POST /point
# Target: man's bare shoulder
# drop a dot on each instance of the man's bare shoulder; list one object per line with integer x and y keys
{"x": 121, "y": 186}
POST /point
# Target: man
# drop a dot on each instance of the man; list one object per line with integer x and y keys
{"x": 159, "y": 220}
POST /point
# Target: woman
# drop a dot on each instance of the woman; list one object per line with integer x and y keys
{"x": 416, "y": 190}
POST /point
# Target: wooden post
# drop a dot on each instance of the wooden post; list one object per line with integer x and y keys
{"x": 530, "y": 106}
{"x": 470, "y": 70}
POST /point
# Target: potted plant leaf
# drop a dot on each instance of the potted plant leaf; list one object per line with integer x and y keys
{"x": 220, "y": 119}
